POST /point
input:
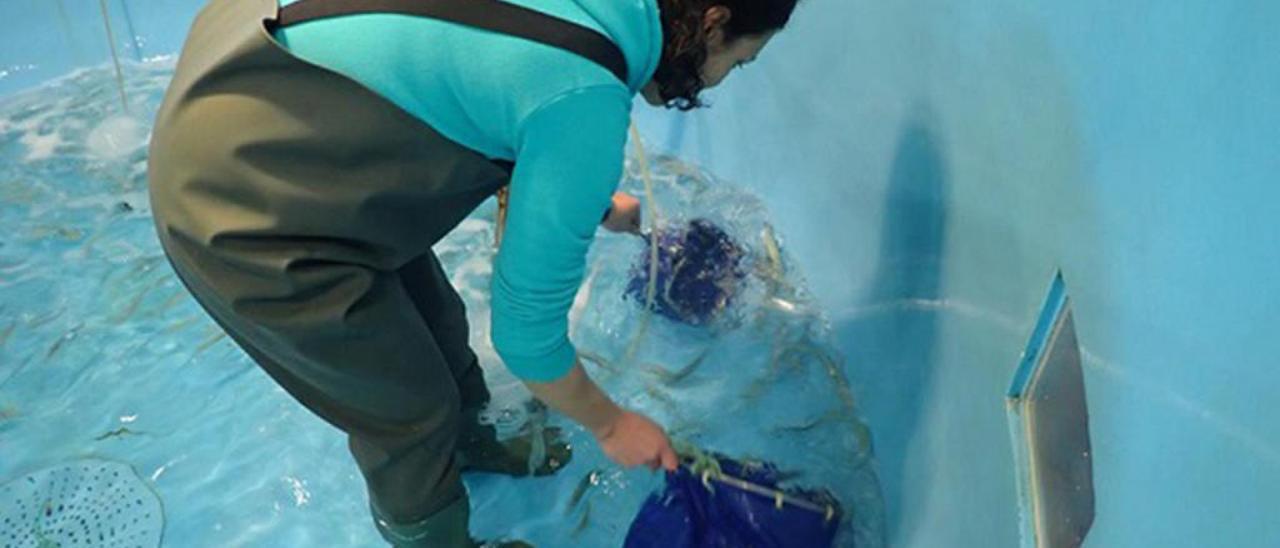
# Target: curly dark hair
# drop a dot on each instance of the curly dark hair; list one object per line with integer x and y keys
{"x": 684, "y": 48}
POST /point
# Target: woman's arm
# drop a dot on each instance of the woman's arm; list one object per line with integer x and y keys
{"x": 568, "y": 163}
{"x": 627, "y": 438}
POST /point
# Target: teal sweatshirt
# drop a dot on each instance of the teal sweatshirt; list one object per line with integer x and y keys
{"x": 561, "y": 118}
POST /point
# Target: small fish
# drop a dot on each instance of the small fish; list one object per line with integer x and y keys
{"x": 799, "y": 427}
{"x": 672, "y": 377}
{"x": 181, "y": 324}
{"x": 758, "y": 386}
{"x": 588, "y": 481}
{"x": 117, "y": 433}
{"x": 144, "y": 265}
{"x": 682, "y": 427}
{"x": 132, "y": 307}
{"x": 834, "y": 415}
{"x": 661, "y": 397}
{"x": 86, "y": 246}
{"x": 4, "y": 335}
{"x": 70, "y": 233}
{"x": 57, "y": 345}
{"x": 8, "y": 412}
{"x": 751, "y": 465}
{"x": 37, "y": 322}
{"x": 596, "y": 359}
{"x": 210, "y": 341}
{"x": 781, "y": 305}
{"x": 835, "y": 371}
{"x": 772, "y": 251}
{"x": 171, "y": 301}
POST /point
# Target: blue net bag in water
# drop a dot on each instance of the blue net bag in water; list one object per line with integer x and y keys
{"x": 741, "y": 506}
{"x": 699, "y": 271}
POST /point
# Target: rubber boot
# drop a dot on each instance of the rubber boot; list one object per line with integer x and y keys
{"x": 446, "y": 528}
{"x": 479, "y": 450}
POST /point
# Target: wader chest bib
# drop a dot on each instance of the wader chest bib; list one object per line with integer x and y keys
{"x": 300, "y": 208}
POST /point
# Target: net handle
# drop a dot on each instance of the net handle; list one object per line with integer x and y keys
{"x": 779, "y": 497}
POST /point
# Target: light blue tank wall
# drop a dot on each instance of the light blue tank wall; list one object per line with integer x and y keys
{"x": 931, "y": 162}
{"x": 43, "y": 39}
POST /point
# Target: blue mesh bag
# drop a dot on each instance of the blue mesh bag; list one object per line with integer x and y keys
{"x": 699, "y": 271}
{"x": 740, "y": 506}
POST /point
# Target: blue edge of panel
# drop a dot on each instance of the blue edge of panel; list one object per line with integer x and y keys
{"x": 1053, "y": 305}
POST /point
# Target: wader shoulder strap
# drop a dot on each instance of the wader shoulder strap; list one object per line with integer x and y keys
{"x": 491, "y": 15}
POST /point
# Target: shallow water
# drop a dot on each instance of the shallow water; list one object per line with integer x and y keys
{"x": 97, "y": 337}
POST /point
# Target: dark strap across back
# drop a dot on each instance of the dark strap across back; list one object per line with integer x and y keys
{"x": 491, "y": 15}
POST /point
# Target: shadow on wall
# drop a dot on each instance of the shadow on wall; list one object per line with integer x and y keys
{"x": 895, "y": 338}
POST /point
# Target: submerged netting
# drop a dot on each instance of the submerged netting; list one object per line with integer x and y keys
{"x": 84, "y": 503}
{"x": 730, "y": 336}
{"x": 699, "y": 271}
{"x": 713, "y": 501}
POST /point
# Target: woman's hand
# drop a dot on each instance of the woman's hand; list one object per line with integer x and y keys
{"x": 627, "y": 438}
{"x": 624, "y": 215}
{"x": 631, "y": 439}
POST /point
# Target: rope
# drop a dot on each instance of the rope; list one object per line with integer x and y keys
{"x": 111, "y": 41}
{"x": 655, "y": 217}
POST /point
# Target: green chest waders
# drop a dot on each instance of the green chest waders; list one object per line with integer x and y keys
{"x": 299, "y": 208}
